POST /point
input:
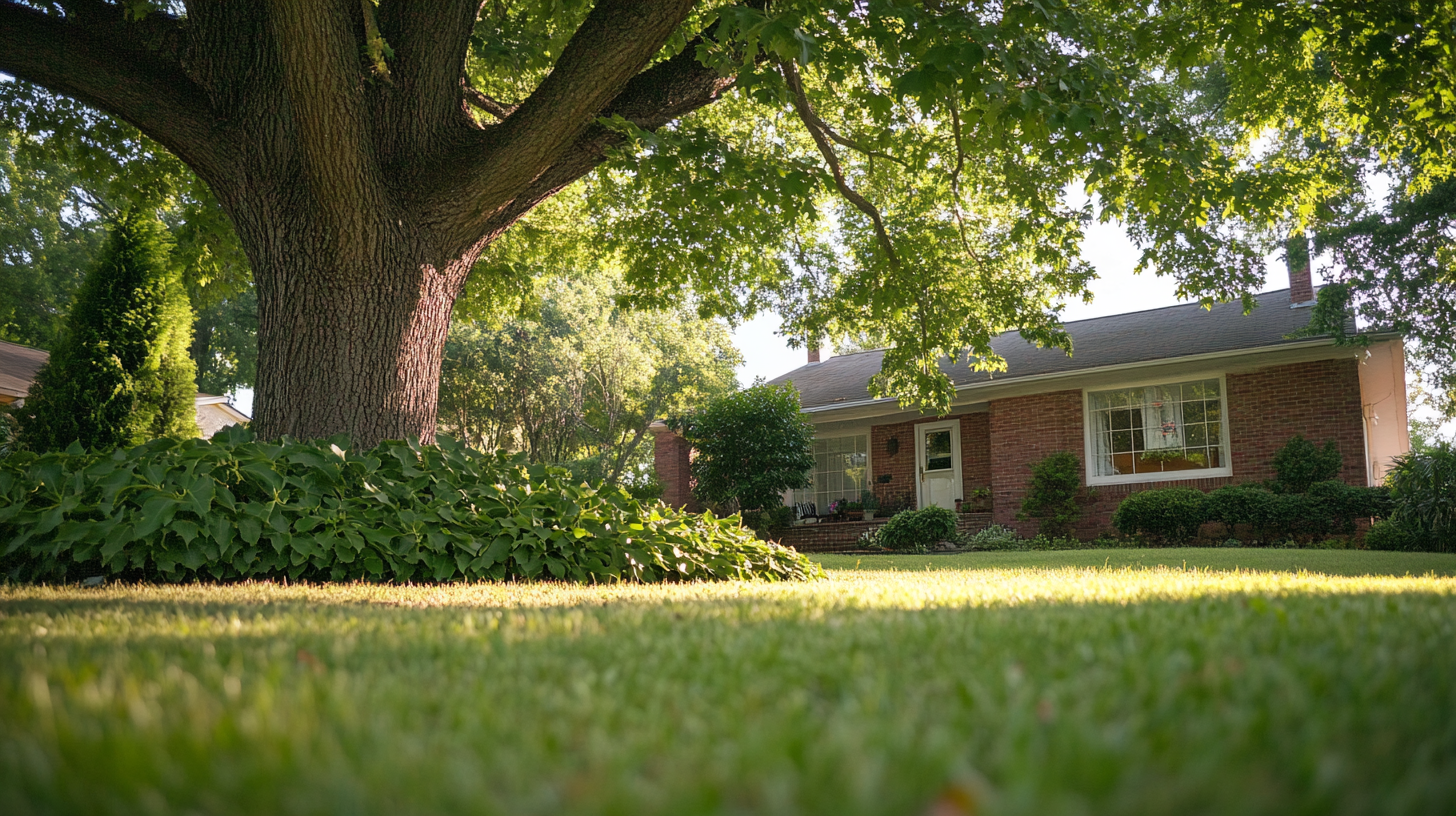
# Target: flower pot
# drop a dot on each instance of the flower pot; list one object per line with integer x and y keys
{"x": 854, "y": 515}
{"x": 869, "y": 515}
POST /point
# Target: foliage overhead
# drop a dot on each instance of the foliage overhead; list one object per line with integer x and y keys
{"x": 915, "y": 173}
{"x": 121, "y": 373}
{"x": 232, "y": 508}
{"x": 750, "y": 446}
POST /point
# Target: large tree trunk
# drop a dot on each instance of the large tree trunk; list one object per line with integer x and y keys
{"x": 352, "y": 347}
{"x": 362, "y": 192}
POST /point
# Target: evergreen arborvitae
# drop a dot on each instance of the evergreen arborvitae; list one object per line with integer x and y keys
{"x": 122, "y": 373}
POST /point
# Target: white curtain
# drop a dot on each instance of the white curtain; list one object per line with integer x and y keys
{"x": 1102, "y": 444}
{"x": 1162, "y": 418}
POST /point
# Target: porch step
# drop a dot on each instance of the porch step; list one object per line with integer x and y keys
{"x": 844, "y": 536}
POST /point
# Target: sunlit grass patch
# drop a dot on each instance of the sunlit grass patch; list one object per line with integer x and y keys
{"x": 1059, "y": 688}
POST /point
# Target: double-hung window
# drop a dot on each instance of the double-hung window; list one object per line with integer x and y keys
{"x": 841, "y": 471}
{"x": 1157, "y": 432}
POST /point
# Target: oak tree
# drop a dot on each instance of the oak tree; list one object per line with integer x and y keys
{"x": 883, "y": 166}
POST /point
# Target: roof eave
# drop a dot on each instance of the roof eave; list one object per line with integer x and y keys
{"x": 1314, "y": 342}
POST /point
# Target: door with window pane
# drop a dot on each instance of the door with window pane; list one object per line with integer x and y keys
{"x": 938, "y": 463}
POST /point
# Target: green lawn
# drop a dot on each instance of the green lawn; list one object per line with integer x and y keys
{"x": 1328, "y": 562}
{"x": 1036, "y": 683}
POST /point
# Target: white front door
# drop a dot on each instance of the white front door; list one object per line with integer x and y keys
{"x": 938, "y": 463}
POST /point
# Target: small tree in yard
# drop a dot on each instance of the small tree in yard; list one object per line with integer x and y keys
{"x": 122, "y": 374}
{"x": 1052, "y": 497}
{"x": 751, "y": 446}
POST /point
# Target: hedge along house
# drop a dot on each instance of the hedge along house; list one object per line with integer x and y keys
{"x": 1173, "y": 396}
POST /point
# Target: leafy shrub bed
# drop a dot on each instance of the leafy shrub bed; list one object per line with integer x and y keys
{"x": 1003, "y": 539}
{"x": 234, "y": 508}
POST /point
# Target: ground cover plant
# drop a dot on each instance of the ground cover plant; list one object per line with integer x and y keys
{"x": 1016, "y": 683}
{"x": 233, "y": 508}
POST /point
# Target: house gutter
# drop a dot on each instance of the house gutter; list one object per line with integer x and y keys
{"x": 1061, "y": 375}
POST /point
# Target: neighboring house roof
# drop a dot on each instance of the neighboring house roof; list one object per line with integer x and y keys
{"x": 1186, "y": 330}
{"x": 18, "y": 365}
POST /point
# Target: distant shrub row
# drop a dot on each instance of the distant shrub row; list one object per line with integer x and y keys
{"x": 233, "y": 508}
{"x": 1174, "y": 514}
{"x": 1416, "y": 508}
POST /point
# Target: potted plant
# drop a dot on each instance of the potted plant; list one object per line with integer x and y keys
{"x": 853, "y": 510}
{"x": 871, "y": 504}
{"x": 837, "y": 509}
{"x": 978, "y": 500}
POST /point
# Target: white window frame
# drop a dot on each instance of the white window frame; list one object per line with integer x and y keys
{"x": 1172, "y": 476}
{"x": 795, "y": 498}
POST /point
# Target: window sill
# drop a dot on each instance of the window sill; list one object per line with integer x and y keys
{"x": 1153, "y": 478}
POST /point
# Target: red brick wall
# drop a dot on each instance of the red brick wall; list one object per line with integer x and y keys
{"x": 975, "y": 455}
{"x": 1025, "y": 430}
{"x": 671, "y": 455}
{"x": 1320, "y": 400}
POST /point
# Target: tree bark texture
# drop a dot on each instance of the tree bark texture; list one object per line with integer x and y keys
{"x": 362, "y": 199}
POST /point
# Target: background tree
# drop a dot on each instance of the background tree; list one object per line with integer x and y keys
{"x": 121, "y": 373}
{"x": 579, "y": 377}
{"x": 896, "y": 168}
{"x": 58, "y": 187}
{"x": 750, "y": 446}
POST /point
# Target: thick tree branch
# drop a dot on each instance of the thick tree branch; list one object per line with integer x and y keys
{"x": 665, "y": 92}
{"x": 818, "y": 130}
{"x": 617, "y": 39}
{"x": 430, "y": 39}
{"x": 95, "y": 56}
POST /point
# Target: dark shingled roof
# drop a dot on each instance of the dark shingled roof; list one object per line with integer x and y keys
{"x": 1158, "y": 334}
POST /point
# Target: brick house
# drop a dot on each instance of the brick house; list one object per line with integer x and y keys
{"x": 1172, "y": 396}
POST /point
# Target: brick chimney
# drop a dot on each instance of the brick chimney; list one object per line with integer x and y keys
{"x": 1296, "y": 259}
{"x": 814, "y": 354}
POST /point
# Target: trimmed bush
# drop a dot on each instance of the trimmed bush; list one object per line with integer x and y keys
{"x": 1169, "y": 515}
{"x": 768, "y": 523}
{"x": 1340, "y": 505}
{"x": 1329, "y": 507}
{"x": 1300, "y": 464}
{"x": 1051, "y": 497}
{"x": 917, "y": 530}
{"x": 1388, "y": 535}
{"x": 233, "y": 508}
